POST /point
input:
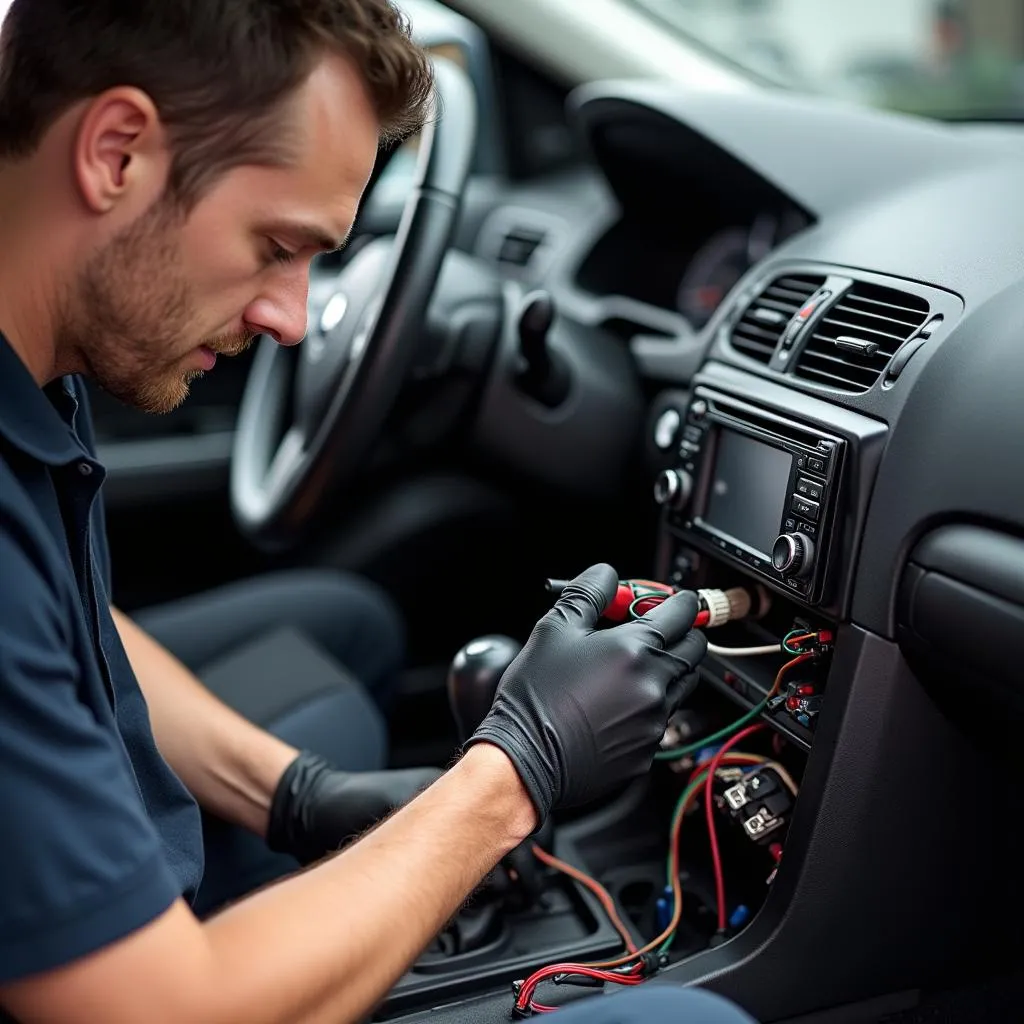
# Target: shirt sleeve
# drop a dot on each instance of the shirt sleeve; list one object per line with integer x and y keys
{"x": 81, "y": 865}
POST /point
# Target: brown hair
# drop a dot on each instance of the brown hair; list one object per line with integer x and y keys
{"x": 218, "y": 71}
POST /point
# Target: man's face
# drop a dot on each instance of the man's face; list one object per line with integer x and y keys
{"x": 156, "y": 304}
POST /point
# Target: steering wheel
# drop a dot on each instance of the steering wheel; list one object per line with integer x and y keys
{"x": 302, "y": 433}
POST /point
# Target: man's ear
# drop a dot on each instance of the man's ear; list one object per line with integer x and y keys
{"x": 120, "y": 150}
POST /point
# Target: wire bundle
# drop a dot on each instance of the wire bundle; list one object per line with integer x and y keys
{"x": 677, "y": 753}
{"x": 638, "y": 964}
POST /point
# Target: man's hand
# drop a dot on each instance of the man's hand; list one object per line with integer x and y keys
{"x": 582, "y": 709}
{"x": 317, "y": 809}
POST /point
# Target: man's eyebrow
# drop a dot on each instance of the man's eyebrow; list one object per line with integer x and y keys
{"x": 309, "y": 234}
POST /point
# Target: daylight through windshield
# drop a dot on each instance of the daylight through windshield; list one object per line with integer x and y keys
{"x": 948, "y": 58}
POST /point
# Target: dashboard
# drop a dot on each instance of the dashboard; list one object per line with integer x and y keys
{"x": 836, "y": 266}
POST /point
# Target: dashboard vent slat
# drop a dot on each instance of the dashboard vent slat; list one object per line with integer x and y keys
{"x": 875, "y": 318}
{"x": 763, "y": 321}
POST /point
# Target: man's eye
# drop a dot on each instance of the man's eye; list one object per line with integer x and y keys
{"x": 280, "y": 254}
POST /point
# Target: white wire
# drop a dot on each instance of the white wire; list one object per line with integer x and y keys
{"x": 744, "y": 652}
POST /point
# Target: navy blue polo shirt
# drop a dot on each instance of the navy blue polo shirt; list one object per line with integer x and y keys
{"x": 99, "y": 835}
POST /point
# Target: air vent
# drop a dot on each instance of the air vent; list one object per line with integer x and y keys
{"x": 519, "y": 245}
{"x": 759, "y": 329}
{"x": 853, "y": 343}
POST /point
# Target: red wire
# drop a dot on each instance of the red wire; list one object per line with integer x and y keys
{"x": 709, "y": 807}
{"x": 529, "y": 986}
{"x": 716, "y": 858}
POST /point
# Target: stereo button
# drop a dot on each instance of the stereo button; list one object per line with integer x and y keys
{"x": 816, "y": 464}
{"x": 804, "y": 507}
{"x": 808, "y": 489}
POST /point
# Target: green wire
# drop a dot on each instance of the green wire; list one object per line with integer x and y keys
{"x": 677, "y": 753}
{"x": 642, "y": 594}
{"x": 678, "y": 813}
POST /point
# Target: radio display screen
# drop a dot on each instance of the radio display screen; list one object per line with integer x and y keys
{"x": 749, "y": 489}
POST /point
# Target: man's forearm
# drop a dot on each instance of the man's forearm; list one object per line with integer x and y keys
{"x": 321, "y": 947}
{"x": 230, "y": 765}
{"x": 350, "y": 928}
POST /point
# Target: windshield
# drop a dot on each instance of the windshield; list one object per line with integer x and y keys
{"x": 944, "y": 58}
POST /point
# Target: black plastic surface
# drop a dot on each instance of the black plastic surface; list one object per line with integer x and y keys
{"x": 982, "y": 558}
{"x": 961, "y": 622}
{"x": 955, "y": 455}
{"x": 969, "y": 628}
{"x": 583, "y": 446}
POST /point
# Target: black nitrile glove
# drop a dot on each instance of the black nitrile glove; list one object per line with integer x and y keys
{"x": 581, "y": 710}
{"x": 317, "y": 809}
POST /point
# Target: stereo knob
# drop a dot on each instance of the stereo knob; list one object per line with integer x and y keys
{"x": 793, "y": 555}
{"x": 673, "y": 488}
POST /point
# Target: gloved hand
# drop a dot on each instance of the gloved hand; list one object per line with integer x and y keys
{"x": 316, "y": 809}
{"x": 581, "y": 710}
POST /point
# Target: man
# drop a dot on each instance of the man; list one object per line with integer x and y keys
{"x": 168, "y": 169}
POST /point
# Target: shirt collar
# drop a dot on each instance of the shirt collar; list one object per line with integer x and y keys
{"x": 28, "y": 418}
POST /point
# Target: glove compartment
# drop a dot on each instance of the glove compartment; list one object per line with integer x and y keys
{"x": 961, "y": 620}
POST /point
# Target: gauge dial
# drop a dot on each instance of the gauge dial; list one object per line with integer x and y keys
{"x": 719, "y": 264}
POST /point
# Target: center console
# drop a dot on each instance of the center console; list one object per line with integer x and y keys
{"x": 757, "y": 482}
{"x": 760, "y": 489}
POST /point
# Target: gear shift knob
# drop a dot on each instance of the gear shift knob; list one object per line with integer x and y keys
{"x": 473, "y": 679}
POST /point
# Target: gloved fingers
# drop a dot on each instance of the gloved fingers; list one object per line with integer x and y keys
{"x": 680, "y": 690}
{"x": 691, "y": 649}
{"x": 669, "y": 669}
{"x": 585, "y": 599}
{"x": 670, "y": 621}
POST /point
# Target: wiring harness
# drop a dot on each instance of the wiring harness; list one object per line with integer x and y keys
{"x": 636, "y": 965}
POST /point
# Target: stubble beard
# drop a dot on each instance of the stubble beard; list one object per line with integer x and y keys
{"x": 131, "y": 318}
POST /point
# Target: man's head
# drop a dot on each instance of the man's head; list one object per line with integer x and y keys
{"x": 186, "y": 159}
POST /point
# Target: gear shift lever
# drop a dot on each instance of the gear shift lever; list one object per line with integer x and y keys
{"x": 473, "y": 679}
{"x": 472, "y": 683}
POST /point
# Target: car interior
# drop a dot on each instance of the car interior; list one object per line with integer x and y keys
{"x": 624, "y": 301}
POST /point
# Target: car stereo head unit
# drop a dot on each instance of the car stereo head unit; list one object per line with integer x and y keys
{"x": 757, "y": 489}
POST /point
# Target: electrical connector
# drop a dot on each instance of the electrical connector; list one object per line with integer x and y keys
{"x": 731, "y": 605}
{"x": 759, "y": 804}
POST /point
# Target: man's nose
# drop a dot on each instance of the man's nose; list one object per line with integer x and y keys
{"x": 282, "y": 311}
